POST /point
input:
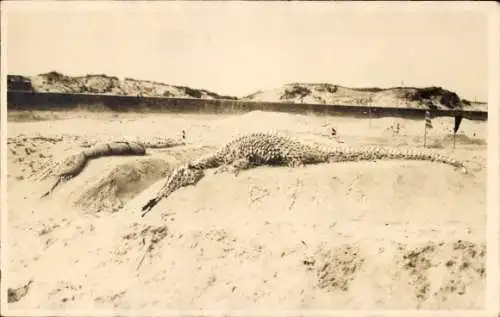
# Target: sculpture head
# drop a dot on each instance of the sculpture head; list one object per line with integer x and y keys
{"x": 181, "y": 177}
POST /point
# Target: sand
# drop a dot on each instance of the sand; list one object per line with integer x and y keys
{"x": 371, "y": 235}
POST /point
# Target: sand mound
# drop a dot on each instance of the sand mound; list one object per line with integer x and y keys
{"x": 107, "y": 183}
{"x": 258, "y": 121}
{"x": 220, "y": 230}
{"x": 306, "y": 127}
{"x": 121, "y": 184}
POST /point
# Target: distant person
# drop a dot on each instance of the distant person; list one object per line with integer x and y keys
{"x": 183, "y": 134}
{"x": 394, "y": 129}
{"x": 334, "y": 134}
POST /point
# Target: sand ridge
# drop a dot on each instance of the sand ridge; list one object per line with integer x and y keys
{"x": 55, "y": 82}
{"x": 323, "y": 93}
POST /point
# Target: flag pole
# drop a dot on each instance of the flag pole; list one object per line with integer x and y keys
{"x": 458, "y": 120}
{"x": 428, "y": 125}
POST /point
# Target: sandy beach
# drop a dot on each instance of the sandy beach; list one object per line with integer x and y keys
{"x": 358, "y": 235}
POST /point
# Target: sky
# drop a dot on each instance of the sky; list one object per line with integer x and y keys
{"x": 237, "y": 48}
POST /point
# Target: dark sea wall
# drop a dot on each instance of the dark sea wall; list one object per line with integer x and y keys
{"x": 27, "y": 100}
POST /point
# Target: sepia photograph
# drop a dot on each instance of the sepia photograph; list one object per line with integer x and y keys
{"x": 247, "y": 156}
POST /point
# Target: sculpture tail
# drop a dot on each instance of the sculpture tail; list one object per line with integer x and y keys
{"x": 374, "y": 153}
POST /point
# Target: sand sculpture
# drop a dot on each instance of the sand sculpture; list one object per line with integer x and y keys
{"x": 257, "y": 149}
{"x": 74, "y": 164}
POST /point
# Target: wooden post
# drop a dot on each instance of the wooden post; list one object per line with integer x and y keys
{"x": 454, "y": 136}
{"x": 369, "y": 117}
{"x": 425, "y": 135}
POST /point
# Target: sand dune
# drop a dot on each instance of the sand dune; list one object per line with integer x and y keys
{"x": 56, "y": 82}
{"x": 330, "y": 236}
{"x": 411, "y": 97}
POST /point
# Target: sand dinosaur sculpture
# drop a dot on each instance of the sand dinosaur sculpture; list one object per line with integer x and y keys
{"x": 256, "y": 149}
{"x": 74, "y": 164}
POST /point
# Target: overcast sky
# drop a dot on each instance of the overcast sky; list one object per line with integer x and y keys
{"x": 237, "y": 48}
